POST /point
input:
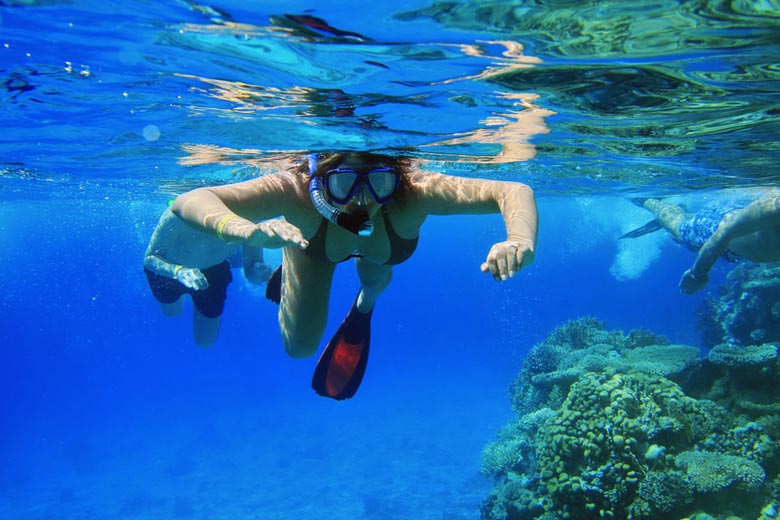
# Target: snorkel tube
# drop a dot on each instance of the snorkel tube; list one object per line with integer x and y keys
{"x": 357, "y": 224}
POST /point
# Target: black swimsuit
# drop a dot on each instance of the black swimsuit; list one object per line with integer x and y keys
{"x": 400, "y": 248}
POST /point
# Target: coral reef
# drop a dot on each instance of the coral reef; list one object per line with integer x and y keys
{"x": 747, "y": 312}
{"x": 708, "y": 472}
{"x": 628, "y": 426}
{"x": 584, "y": 345}
{"x": 750, "y": 355}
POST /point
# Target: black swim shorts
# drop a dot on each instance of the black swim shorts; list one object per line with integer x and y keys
{"x": 209, "y": 302}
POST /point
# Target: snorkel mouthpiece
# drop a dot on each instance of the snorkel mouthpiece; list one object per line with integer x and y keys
{"x": 359, "y": 224}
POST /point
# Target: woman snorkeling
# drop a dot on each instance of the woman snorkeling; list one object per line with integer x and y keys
{"x": 360, "y": 205}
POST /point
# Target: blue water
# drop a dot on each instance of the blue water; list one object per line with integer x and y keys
{"x": 108, "y": 410}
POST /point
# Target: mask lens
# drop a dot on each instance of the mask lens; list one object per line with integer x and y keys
{"x": 340, "y": 184}
{"x": 384, "y": 182}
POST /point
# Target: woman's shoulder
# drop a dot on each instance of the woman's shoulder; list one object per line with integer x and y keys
{"x": 423, "y": 177}
{"x": 285, "y": 179}
{"x": 423, "y": 184}
{"x": 278, "y": 186}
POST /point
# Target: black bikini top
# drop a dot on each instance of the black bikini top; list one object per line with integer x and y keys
{"x": 400, "y": 248}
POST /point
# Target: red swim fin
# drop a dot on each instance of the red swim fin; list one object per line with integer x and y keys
{"x": 343, "y": 362}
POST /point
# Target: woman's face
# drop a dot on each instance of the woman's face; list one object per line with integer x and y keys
{"x": 362, "y": 199}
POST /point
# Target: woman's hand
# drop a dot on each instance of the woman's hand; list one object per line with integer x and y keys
{"x": 276, "y": 233}
{"x": 505, "y": 259}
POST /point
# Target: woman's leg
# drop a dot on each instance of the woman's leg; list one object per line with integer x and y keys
{"x": 374, "y": 279}
{"x": 303, "y": 310}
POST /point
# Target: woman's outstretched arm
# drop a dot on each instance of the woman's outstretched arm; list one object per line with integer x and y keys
{"x": 442, "y": 195}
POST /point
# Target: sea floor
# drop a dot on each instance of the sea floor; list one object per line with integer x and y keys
{"x": 410, "y": 455}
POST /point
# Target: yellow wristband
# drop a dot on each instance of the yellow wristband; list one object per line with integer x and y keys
{"x": 221, "y": 225}
{"x": 176, "y": 271}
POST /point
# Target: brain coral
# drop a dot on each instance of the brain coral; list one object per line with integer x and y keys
{"x": 591, "y": 455}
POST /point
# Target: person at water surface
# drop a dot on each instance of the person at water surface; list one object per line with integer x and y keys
{"x": 740, "y": 224}
{"x": 363, "y": 206}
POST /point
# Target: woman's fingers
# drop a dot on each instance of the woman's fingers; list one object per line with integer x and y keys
{"x": 280, "y": 233}
{"x": 504, "y": 260}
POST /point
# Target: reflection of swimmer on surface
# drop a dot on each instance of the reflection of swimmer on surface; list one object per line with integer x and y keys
{"x": 511, "y": 129}
{"x": 343, "y": 206}
{"x": 743, "y": 224}
{"x": 311, "y": 26}
{"x": 183, "y": 260}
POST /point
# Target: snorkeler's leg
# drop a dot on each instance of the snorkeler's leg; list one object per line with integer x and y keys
{"x": 342, "y": 364}
{"x": 374, "y": 279}
{"x": 172, "y": 309}
{"x": 303, "y": 310}
{"x": 670, "y": 216}
{"x": 205, "y": 330}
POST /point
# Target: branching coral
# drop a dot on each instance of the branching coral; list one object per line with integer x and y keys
{"x": 710, "y": 472}
{"x": 733, "y": 356}
{"x": 662, "y": 360}
{"x": 512, "y": 453}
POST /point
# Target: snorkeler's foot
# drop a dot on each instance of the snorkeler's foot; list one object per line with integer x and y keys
{"x": 343, "y": 362}
{"x": 273, "y": 288}
{"x": 653, "y": 225}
